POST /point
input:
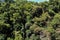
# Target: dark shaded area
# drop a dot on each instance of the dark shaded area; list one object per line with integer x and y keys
{"x": 37, "y": 12}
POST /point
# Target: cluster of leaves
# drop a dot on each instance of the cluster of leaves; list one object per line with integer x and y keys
{"x": 23, "y": 20}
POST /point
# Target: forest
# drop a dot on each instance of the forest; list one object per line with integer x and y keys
{"x": 26, "y": 20}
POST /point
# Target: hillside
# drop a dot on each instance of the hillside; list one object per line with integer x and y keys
{"x": 24, "y": 20}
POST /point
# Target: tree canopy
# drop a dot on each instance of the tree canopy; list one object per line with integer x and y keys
{"x": 25, "y": 20}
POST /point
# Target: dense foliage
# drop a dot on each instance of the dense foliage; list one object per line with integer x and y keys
{"x": 23, "y": 20}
